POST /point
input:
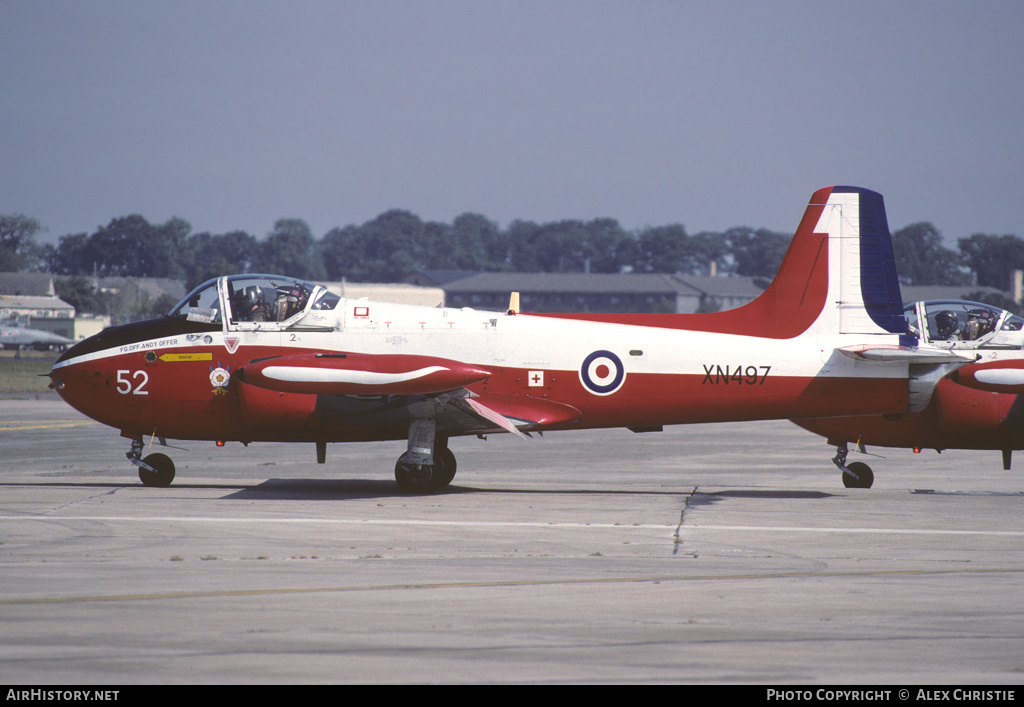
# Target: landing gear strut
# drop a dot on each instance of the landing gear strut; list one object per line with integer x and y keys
{"x": 856, "y": 475}
{"x": 422, "y": 479}
{"x": 427, "y": 465}
{"x": 155, "y": 469}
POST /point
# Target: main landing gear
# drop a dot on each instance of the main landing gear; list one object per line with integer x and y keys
{"x": 424, "y": 479}
{"x": 427, "y": 465}
{"x": 155, "y": 469}
{"x": 856, "y": 475}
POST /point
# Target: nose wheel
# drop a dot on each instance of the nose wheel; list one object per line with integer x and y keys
{"x": 155, "y": 470}
{"x": 856, "y": 475}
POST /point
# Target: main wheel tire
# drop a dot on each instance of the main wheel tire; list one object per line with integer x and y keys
{"x": 447, "y": 459}
{"x": 164, "y": 474}
{"x": 419, "y": 479}
{"x": 865, "y": 477}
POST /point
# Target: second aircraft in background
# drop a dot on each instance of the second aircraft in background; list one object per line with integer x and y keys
{"x": 976, "y": 406}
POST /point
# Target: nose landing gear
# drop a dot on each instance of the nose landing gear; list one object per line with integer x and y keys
{"x": 155, "y": 470}
{"x": 856, "y": 475}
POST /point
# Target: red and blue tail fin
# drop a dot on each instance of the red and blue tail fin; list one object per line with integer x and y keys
{"x": 869, "y": 297}
{"x": 838, "y": 276}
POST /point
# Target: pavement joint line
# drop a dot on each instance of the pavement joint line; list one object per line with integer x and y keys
{"x": 518, "y": 524}
{"x": 340, "y": 521}
{"x": 653, "y": 579}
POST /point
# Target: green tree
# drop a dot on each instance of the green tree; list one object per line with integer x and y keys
{"x": 19, "y": 251}
{"x": 437, "y": 249}
{"x": 921, "y": 259}
{"x": 78, "y": 291}
{"x": 995, "y": 299}
{"x": 335, "y": 250}
{"x": 667, "y": 249}
{"x": 120, "y": 247}
{"x": 127, "y": 246}
{"x": 703, "y": 249}
{"x": 661, "y": 249}
{"x": 290, "y": 249}
{"x": 521, "y": 238}
{"x": 608, "y": 248}
{"x": 164, "y": 256}
{"x": 476, "y": 244}
{"x": 599, "y": 245}
{"x": 71, "y": 256}
{"x": 993, "y": 258}
{"x": 756, "y": 253}
{"x": 394, "y": 242}
{"x": 207, "y": 256}
{"x": 386, "y": 249}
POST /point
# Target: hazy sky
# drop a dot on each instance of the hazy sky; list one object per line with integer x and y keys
{"x": 234, "y": 113}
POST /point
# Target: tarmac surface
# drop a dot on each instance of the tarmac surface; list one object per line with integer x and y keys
{"x": 712, "y": 553}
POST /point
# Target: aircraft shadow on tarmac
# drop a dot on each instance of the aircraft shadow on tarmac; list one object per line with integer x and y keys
{"x": 317, "y": 489}
{"x": 342, "y": 489}
{"x": 328, "y": 489}
{"x": 345, "y": 489}
{"x": 706, "y": 498}
{"x": 269, "y": 490}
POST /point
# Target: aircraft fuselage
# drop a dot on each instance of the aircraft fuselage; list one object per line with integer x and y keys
{"x": 181, "y": 380}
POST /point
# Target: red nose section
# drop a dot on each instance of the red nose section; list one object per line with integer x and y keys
{"x": 362, "y": 374}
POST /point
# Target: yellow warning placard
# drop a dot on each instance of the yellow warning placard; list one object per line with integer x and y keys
{"x": 170, "y": 357}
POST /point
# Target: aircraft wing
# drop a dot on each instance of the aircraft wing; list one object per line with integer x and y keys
{"x": 382, "y": 392}
{"x": 457, "y": 412}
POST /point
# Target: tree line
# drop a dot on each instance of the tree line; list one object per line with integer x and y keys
{"x": 397, "y": 243}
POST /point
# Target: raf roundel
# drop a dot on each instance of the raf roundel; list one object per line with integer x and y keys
{"x": 602, "y": 373}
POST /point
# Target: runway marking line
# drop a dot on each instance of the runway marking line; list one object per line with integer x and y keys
{"x": 520, "y": 524}
{"x": 885, "y": 531}
{"x": 343, "y": 521}
{"x": 22, "y": 424}
{"x": 502, "y": 584}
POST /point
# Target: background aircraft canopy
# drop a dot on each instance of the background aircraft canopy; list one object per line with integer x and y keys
{"x": 965, "y": 325}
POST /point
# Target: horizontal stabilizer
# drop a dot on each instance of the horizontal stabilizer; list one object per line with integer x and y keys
{"x": 909, "y": 354}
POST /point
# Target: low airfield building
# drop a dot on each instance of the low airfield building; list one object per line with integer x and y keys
{"x": 29, "y": 298}
{"x": 580, "y": 292}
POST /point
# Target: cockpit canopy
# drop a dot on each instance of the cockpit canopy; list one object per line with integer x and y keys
{"x": 253, "y": 298}
{"x": 960, "y": 324}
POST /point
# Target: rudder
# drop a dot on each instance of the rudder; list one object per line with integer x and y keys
{"x": 863, "y": 278}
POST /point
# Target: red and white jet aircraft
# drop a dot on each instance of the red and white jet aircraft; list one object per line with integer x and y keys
{"x": 977, "y": 406}
{"x": 267, "y": 358}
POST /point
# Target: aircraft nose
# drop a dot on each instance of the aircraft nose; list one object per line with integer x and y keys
{"x": 71, "y": 377}
{"x": 83, "y": 386}
{"x": 56, "y": 382}
{"x": 60, "y": 377}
